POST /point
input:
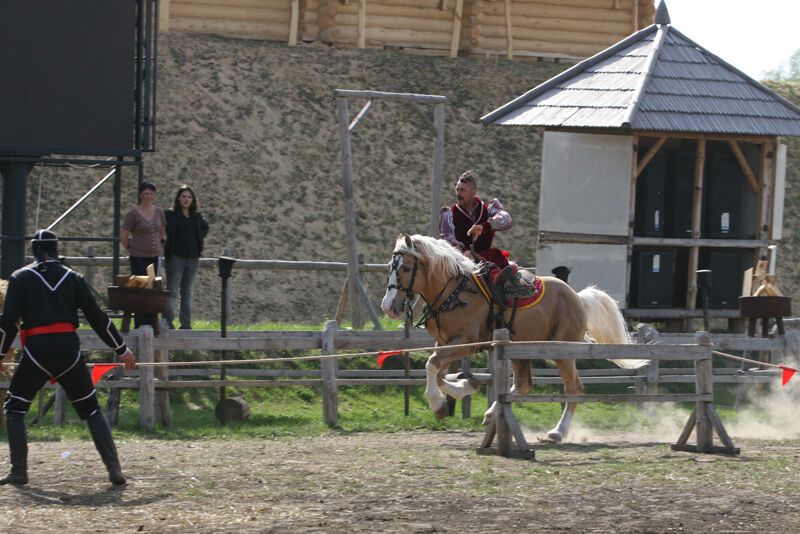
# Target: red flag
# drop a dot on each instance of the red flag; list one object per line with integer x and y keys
{"x": 383, "y": 355}
{"x": 788, "y": 373}
{"x": 99, "y": 369}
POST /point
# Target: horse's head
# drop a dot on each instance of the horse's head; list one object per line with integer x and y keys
{"x": 421, "y": 264}
{"x": 404, "y": 277}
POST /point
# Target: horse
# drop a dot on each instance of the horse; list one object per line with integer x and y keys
{"x": 457, "y": 311}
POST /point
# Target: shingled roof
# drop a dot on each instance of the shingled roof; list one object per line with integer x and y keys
{"x": 654, "y": 80}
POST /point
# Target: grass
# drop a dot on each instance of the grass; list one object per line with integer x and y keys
{"x": 297, "y": 411}
{"x": 277, "y": 413}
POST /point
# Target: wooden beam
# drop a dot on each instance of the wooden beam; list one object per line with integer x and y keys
{"x": 163, "y": 15}
{"x": 455, "y": 40}
{"x": 651, "y": 153}
{"x": 707, "y": 137}
{"x": 744, "y": 166}
{"x": 697, "y": 206}
{"x": 631, "y": 218}
{"x": 438, "y": 169}
{"x": 425, "y": 99}
{"x": 294, "y": 23}
{"x": 361, "y": 116}
{"x": 635, "y": 15}
{"x": 609, "y": 397}
{"x": 362, "y": 23}
{"x": 688, "y": 242}
{"x": 767, "y": 195}
{"x": 509, "y": 31}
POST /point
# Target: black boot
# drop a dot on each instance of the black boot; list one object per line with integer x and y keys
{"x": 506, "y": 275}
{"x": 104, "y": 442}
{"x": 18, "y": 447}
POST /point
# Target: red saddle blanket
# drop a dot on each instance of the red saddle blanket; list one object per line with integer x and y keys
{"x": 537, "y": 288}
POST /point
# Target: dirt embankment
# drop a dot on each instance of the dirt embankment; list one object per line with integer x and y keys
{"x": 252, "y": 126}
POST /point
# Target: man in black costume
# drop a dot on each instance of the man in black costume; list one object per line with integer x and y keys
{"x": 46, "y": 296}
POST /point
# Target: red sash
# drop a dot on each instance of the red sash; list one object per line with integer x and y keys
{"x": 54, "y": 328}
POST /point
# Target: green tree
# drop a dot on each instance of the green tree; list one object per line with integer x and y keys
{"x": 786, "y": 72}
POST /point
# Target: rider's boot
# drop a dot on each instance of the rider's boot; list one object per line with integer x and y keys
{"x": 18, "y": 447}
{"x": 499, "y": 279}
{"x": 104, "y": 442}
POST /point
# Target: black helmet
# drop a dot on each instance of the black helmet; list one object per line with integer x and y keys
{"x": 44, "y": 241}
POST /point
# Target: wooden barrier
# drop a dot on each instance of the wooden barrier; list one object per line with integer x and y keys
{"x": 703, "y": 420}
{"x": 152, "y": 385}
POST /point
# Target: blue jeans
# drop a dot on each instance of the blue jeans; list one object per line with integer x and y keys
{"x": 181, "y": 272}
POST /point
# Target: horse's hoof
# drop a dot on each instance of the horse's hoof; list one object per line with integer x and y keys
{"x": 442, "y": 412}
{"x": 554, "y": 437}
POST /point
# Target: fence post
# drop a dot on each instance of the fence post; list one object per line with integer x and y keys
{"x": 147, "y": 390}
{"x": 356, "y": 308}
{"x": 649, "y": 374}
{"x": 330, "y": 410}
{"x": 229, "y": 253}
{"x": 162, "y": 395}
{"x": 704, "y": 384}
{"x": 466, "y": 402}
{"x": 500, "y": 382}
{"x": 60, "y": 407}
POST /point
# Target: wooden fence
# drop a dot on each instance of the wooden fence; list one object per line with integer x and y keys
{"x": 153, "y": 383}
{"x": 703, "y": 421}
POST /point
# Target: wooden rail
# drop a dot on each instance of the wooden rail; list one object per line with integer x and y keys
{"x": 331, "y": 340}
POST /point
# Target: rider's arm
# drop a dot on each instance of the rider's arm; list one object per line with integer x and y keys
{"x": 97, "y": 318}
{"x": 447, "y": 229}
{"x": 499, "y": 218}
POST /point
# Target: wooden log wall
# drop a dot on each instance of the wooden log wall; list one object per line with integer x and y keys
{"x": 272, "y": 20}
{"x": 543, "y": 28}
{"x": 423, "y": 24}
{"x": 551, "y": 28}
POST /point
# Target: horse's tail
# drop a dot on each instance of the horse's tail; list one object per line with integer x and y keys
{"x": 605, "y": 324}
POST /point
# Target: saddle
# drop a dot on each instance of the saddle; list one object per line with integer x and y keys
{"x": 509, "y": 293}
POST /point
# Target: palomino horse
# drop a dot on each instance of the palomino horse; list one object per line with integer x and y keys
{"x": 458, "y": 311}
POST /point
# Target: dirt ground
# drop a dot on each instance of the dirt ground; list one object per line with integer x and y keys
{"x": 406, "y": 482}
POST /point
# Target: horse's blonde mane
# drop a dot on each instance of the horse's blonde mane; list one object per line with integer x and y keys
{"x": 441, "y": 258}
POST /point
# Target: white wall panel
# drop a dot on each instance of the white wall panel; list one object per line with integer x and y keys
{"x": 780, "y": 192}
{"x": 600, "y": 265}
{"x": 585, "y": 183}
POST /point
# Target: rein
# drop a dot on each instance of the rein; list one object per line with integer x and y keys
{"x": 450, "y": 303}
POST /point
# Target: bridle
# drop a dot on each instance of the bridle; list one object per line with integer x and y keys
{"x": 448, "y": 304}
{"x": 408, "y": 304}
{"x": 397, "y": 260}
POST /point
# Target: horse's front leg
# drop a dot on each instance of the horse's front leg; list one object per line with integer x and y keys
{"x": 437, "y": 386}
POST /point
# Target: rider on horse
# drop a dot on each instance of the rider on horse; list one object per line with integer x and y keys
{"x": 470, "y": 225}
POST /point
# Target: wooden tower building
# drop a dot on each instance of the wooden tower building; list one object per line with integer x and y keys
{"x": 659, "y": 159}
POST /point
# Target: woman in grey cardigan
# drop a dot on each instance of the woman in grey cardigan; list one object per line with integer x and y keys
{"x": 186, "y": 230}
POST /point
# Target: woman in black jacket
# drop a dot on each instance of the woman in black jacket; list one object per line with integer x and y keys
{"x": 186, "y": 229}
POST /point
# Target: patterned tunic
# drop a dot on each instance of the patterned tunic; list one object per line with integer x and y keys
{"x": 454, "y": 222}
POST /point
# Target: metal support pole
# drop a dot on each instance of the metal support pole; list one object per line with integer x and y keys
{"x": 117, "y": 220}
{"x": 225, "y": 267}
{"x": 15, "y": 189}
